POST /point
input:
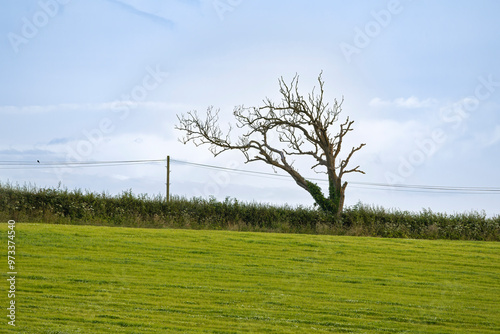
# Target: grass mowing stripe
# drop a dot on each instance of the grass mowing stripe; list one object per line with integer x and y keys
{"x": 85, "y": 279}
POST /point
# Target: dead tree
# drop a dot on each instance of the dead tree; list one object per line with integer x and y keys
{"x": 276, "y": 133}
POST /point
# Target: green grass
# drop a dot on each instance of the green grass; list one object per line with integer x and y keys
{"x": 89, "y": 279}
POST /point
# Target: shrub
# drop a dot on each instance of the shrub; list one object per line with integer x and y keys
{"x": 60, "y": 206}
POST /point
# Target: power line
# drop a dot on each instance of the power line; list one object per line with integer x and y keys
{"x": 363, "y": 185}
{"x": 402, "y": 188}
{"x": 421, "y": 188}
{"x": 229, "y": 169}
{"x": 57, "y": 164}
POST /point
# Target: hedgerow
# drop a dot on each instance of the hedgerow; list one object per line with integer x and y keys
{"x": 60, "y": 206}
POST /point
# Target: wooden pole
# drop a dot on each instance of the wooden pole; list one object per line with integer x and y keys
{"x": 168, "y": 178}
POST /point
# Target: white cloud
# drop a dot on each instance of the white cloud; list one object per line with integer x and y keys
{"x": 411, "y": 102}
{"x": 386, "y": 136}
{"x": 495, "y": 138}
{"x": 491, "y": 138}
{"x": 168, "y": 11}
{"x": 105, "y": 106}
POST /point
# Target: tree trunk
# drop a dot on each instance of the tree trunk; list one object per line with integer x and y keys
{"x": 336, "y": 196}
{"x": 332, "y": 204}
{"x": 341, "y": 202}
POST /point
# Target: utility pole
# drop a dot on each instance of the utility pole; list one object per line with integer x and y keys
{"x": 168, "y": 178}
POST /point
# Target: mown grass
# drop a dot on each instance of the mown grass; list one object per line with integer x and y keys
{"x": 60, "y": 206}
{"x": 88, "y": 279}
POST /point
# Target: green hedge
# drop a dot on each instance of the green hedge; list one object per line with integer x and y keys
{"x": 56, "y": 206}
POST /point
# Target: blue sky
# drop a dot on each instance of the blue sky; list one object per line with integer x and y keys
{"x": 103, "y": 80}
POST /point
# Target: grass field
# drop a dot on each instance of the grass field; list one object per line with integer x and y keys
{"x": 88, "y": 279}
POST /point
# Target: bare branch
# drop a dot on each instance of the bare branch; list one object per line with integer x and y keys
{"x": 345, "y": 162}
{"x": 303, "y": 128}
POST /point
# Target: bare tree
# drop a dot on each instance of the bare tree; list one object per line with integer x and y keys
{"x": 302, "y": 128}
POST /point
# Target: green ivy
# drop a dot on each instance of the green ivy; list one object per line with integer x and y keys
{"x": 330, "y": 204}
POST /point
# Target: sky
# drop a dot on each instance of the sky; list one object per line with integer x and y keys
{"x": 85, "y": 82}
